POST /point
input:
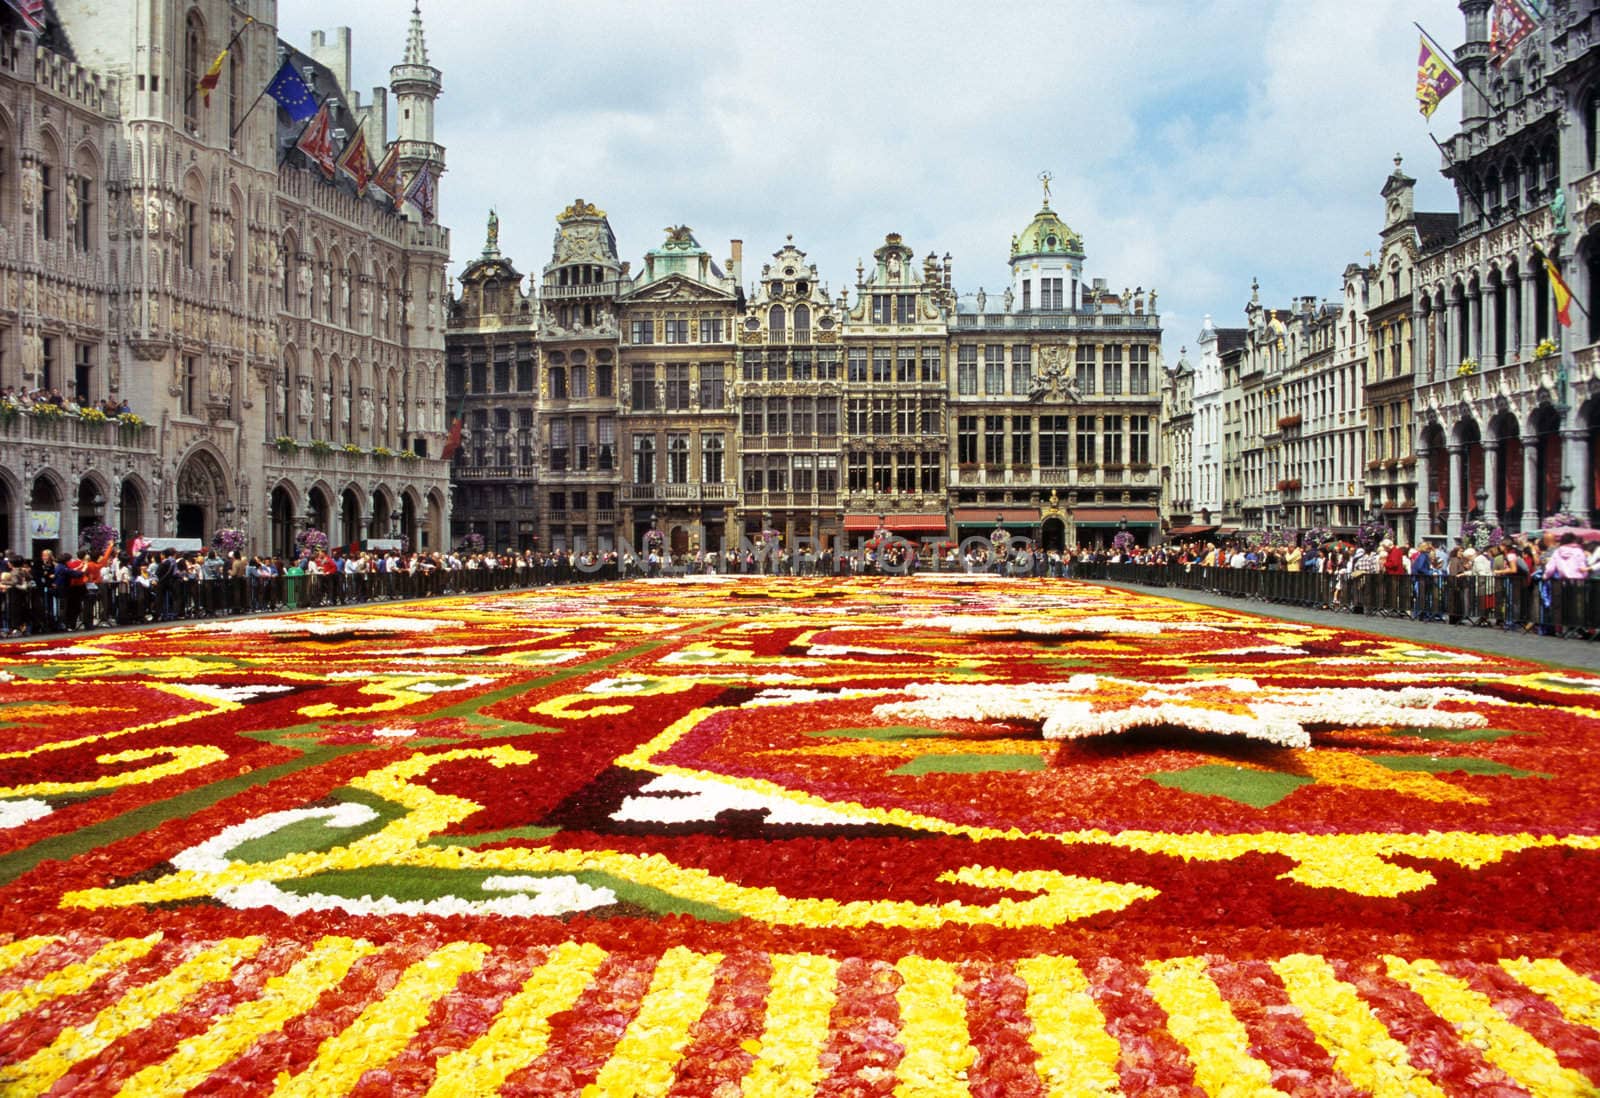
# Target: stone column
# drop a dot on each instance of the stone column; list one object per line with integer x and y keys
{"x": 1530, "y": 482}
{"x": 1473, "y": 308}
{"x": 1527, "y": 302}
{"x": 1486, "y": 353}
{"x": 1491, "y": 476}
{"x": 1419, "y": 341}
{"x": 1574, "y": 444}
{"x": 1455, "y": 513}
{"x": 1513, "y": 293}
{"x": 1424, "y": 481}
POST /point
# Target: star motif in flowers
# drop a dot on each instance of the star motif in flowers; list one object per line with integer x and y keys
{"x": 1102, "y": 705}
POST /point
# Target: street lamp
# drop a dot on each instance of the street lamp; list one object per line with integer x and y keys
{"x": 1567, "y": 488}
{"x": 1482, "y": 496}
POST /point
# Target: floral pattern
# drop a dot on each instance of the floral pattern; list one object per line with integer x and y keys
{"x": 921, "y": 835}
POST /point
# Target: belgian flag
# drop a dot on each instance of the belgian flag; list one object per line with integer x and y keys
{"x": 1562, "y": 294}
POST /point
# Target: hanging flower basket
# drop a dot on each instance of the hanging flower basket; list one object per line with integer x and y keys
{"x": 228, "y": 540}
{"x": 1546, "y": 349}
{"x": 92, "y": 415}
{"x": 311, "y": 540}
{"x": 285, "y": 444}
{"x": 1467, "y": 367}
{"x": 471, "y": 543}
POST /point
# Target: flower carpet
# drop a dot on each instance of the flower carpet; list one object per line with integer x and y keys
{"x": 921, "y": 836}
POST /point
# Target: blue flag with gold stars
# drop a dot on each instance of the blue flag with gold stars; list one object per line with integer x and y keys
{"x": 292, "y": 94}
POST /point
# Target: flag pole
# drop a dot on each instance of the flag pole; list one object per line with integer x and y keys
{"x": 1444, "y": 53}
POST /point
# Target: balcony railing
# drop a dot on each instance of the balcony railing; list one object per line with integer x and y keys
{"x": 678, "y": 493}
{"x": 1053, "y": 322}
{"x": 589, "y": 289}
{"x": 72, "y": 431}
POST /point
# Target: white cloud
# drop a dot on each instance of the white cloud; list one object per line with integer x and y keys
{"x": 1194, "y": 145}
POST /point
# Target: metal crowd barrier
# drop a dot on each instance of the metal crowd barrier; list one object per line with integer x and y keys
{"x": 1557, "y": 607}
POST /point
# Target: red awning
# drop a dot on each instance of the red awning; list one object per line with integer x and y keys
{"x": 1190, "y": 531}
{"x": 1112, "y": 513}
{"x": 896, "y": 523}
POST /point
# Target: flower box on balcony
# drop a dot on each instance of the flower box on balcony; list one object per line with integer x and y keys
{"x": 1408, "y": 463}
{"x": 1391, "y": 463}
{"x": 1290, "y": 421}
{"x": 1375, "y": 464}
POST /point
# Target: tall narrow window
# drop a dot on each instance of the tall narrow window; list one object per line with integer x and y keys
{"x": 47, "y": 202}
{"x": 677, "y": 458}
{"x": 802, "y": 324}
{"x": 775, "y": 324}
{"x": 1021, "y": 369}
{"x": 83, "y": 228}
{"x": 644, "y": 459}
{"x": 994, "y": 370}
{"x": 711, "y": 457}
{"x": 967, "y": 370}
{"x": 193, "y": 67}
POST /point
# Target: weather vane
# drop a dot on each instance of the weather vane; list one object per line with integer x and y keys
{"x": 1045, "y": 177}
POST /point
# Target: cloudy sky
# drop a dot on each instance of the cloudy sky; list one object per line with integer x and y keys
{"x": 1194, "y": 145}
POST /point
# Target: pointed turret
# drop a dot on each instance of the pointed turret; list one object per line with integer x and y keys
{"x": 416, "y": 84}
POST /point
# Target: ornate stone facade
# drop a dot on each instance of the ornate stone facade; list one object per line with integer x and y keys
{"x": 231, "y": 296}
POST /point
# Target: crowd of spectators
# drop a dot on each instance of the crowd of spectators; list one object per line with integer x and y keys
{"x": 30, "y": 399}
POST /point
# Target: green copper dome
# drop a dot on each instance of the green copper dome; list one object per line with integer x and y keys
{"x": 1047, "y": 234}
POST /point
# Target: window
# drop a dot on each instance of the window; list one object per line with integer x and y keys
{"x": 524, "y": 375}
{"x": 605, "y": 436}
{"x": 932, "y": 470}
{"x": 1139, "y": 369}
{"x": 502, "y": 377}
{"x": 1022, "y": 440}
{"x": 1027, "y": 294}
{"x": 880, "y": 366}
{"x": 191, "y": 380}
{"x": 994, "y": 440}
{"x": 83, "y": 373}
{"x": 932, "y": 416}
{"x": 827, "y": 472}
{"x": 882, "y": 472}
{"x": 751, "y": 418}
{"x": 711, "y": 329}
{"x": 882, "y": 416}
{"x": 558, "y": 505}
{"x": 827, "y": 416}
{"x": 193, "y": 69}
{"x": 83, "y": 228}
{"x": 882, "y": 308}
{"x": 191, "y": 235}
{"x": 804, "y": 472}
{"x": 1051, "y": 294}
{"x": 1085, "y": 440}
{"x": 967, "y": 370}
{"x": 1021, "y": 369}
{"x": 1086, "y": 370}
{"x": 558, "y": 382}
{"x": 580, "y": 501}
{"x": 713, "y": 393}
{"x": 711, "y": 457}
{"x": 856, "y": 416}
{"x": 967, "y": 440}
{"x": 776, "y": 323}
{"x": 578, "y": 379}
{"x": 1139, "y": 440}
{"x": 677, "y": 458}
{"x": 560, "y": 441}
{"x": 644, "y": 388}
{"x": 777, "y": 365}
{"x": 905, "y": 308}
{"x": 604, "y": 378}
{"x": 828, "y": 365}
{"x": 857, "y": 365}
{"x": 580, "y": 443}
{"x": 677, "y": 386}
{"x": 932, "y": 365}
{"x": 1111, "y": 434}
{"x": 905, "y": 366}
{"x": 905, "y": 472}
{"x": 675, "y": 329}
{"x": 644, "y": 459}
{"x": 856, "y": 472}
{"x": 801, "y": 361}
{"x": 777, "y": 472}
{"x": 642, "y": 332}
{"x": 750, "y": 366}
{"x": 994, "y": 370}
{"x": 804, "y": 415}
{"x": 777, "y": 415}
{"x": 754, "y": 472}
{"x": 905, "y": 415}
{"x": 1112, "y": 369}
{"x": 802, "y": 324}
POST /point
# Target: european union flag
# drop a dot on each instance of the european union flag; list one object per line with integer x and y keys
{"x": 292, "y": 94}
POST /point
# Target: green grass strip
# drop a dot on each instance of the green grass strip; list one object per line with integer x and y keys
{"x": 1429, "y": 765}
{"x": 1256, "y": 788}
{"x": 971, "y": 764}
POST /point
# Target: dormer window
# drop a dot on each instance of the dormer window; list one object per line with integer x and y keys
{"x": 1050, "y": 241}
{"x": 777, "y": 288}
